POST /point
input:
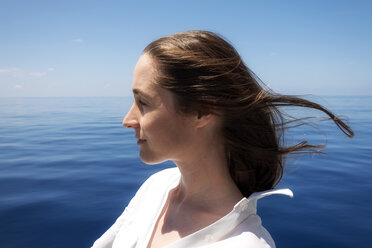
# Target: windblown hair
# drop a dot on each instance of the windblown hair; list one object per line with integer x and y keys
{"x": 207, "y": 75}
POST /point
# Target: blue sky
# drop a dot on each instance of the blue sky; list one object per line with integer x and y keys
{"x": 90, "y": 48}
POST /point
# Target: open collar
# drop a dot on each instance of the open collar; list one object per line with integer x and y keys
{"x": 219, "y": 229}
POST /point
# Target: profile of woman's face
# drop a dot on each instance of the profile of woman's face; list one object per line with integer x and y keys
{"x": 162, "y": 133}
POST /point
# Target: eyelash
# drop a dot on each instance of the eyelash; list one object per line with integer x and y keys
{"x": 142, "y": 103}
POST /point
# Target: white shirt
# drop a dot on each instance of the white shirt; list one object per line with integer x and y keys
{"x": 239, "y": 228}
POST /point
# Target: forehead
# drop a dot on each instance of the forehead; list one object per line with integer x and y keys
{"x": 144, "y": 74}
{"x": 144, "y": 83}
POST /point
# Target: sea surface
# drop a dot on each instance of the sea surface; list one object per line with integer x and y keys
{"x": 68, "y": 168}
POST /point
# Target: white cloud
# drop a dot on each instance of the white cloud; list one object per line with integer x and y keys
{"x": 273, "y": 54}
{"x": 78, "y": 40}
{"x": 16, "y": 72}
{"x": 38, "y": 74}
{"x": 7, "y": 70}
{"x": 18, "y": 87}
{"x": 107, "y": 86}
{"x": 13, "y": 72}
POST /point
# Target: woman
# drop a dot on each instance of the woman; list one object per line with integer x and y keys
{"x": 198, "y": 105}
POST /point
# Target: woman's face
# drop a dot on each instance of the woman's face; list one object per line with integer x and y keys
{"x": 162, "y": 133}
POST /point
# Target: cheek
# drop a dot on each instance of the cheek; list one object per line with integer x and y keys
{"x": 154, "y": 125}
{"x": 166, "y": 130}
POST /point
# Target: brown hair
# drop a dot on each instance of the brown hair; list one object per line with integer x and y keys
{"x": 207, "y": 75}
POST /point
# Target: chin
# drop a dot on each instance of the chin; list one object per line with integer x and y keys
{"x": 150, "y": 159}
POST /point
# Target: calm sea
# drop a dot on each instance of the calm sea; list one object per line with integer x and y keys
{"x": 68, "y": 168}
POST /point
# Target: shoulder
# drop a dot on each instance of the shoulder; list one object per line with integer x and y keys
{"x": 249, "y": 239}
{"x": 140, "y": 209}
{"x": 251, "y": 232}
{"x": 258, "y": 238}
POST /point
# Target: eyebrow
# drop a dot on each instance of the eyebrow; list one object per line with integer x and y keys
{"x": 140, "y": 92}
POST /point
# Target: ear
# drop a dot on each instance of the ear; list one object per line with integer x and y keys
{"x": 203, "y": 119}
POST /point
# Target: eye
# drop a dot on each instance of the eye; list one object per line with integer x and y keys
{"x": 141, "y": 103}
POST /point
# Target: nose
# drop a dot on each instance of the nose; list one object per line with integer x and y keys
{"x": 131, "y": 119}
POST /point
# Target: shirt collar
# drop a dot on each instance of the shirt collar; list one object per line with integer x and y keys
{"x": 216, "y": 231}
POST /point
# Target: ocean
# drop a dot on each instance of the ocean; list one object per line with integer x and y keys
{"x": 68, "y": 168}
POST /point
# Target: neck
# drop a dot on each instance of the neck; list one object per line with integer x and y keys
{"x": 205, "y": 180}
